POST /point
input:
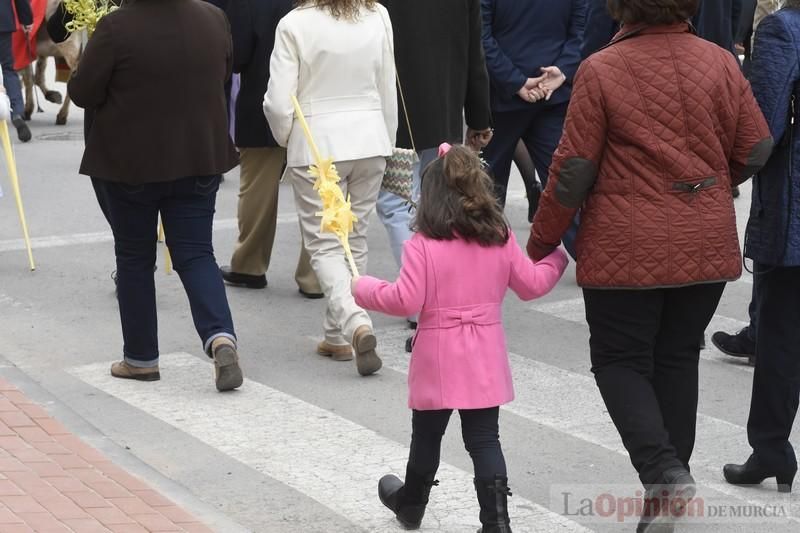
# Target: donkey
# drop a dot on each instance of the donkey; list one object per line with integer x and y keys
{"x": 70, "y": 51}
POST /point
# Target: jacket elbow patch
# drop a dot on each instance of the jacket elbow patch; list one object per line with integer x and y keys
{"x": 758, "y": 157}
{"x": 574, "y": 181}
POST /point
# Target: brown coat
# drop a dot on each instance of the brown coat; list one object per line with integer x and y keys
{"x": 154, "y": 71}
{"x": 660, "y": 127}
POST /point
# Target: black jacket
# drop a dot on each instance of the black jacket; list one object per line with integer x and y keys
{"x": 253, "y": 24}
{"x": 134, "y": 58}
{"x": 442, "y": 68}
{"x": 718, "y": 21}
{"x": 8, "y": 22}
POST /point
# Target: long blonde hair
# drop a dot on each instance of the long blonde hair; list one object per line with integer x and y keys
{"x": 340, "y": 9}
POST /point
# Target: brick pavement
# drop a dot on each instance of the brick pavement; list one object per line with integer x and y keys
{"x": 51, "y": 481}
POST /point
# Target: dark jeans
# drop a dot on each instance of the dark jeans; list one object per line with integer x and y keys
{"x": 10, "y": 77}
{"x": 645, "y": 349}
{"x": 776, "y": 382}
{"x": 540, "y": 130}
{"x": 479, "y": 428}
{"x": 187, "y": 211}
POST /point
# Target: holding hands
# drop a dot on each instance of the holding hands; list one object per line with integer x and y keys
{"x": 542, "y": 87}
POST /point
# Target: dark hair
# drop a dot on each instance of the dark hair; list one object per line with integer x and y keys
{"x": 652, "y": 12}
{"x": 340, "y": 9}
{"x": 457, "y": 201}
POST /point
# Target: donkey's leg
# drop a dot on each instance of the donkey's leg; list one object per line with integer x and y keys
{"x": 49, "y": 95}
{"x": 27, "y": 83}
{"x": 63, "y": 113}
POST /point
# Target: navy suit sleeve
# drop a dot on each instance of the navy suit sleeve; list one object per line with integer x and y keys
{"x": 600, "y": 28}
{"x": 775, "y": 61}
{"x": 505, "y": 75}
{"x": 570, "y": 57}
{"x": 477, "y": 110}
{"x": 244, "y": 38}
{"x": 24, "y": 12}
{"x": 736, "y": 17}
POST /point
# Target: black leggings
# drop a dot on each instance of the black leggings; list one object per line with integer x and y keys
{"x": 479, "y": 427}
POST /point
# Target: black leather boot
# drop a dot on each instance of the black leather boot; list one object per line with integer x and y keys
{"x": 407, "y": 501}
{"x": 665, "y": 502}
{"x": 493, "y": 498}
{"x": 754, "y": 473}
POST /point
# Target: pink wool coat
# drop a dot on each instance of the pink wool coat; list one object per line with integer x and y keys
{"x": 460, "y": 359}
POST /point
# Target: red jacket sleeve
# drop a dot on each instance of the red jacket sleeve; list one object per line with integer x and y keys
{"x": 575, "y": 163}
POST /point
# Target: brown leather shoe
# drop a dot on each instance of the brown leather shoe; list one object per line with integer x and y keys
{"x": 123, "y": 370}
{"x": 337, "y": 353}
{"x": 364, "y": 343}
{"x": 227, "y": 372}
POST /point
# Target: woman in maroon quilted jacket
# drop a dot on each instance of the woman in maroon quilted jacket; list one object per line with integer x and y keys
{"x": 661, "y": 126}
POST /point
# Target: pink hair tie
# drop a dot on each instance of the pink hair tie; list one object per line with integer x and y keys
{"x": 444, "y": 148}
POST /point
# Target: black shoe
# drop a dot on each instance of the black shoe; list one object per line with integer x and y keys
{"x": 412, "y": 324}
{"x": 410, "y": 344}
{"x": 243, "y": 280}
{"x": 493, "y": 498}
{"x": 703, "y": 342}
{"x": 408, "y": 508}
{"x": 533, "y": 202}
{"x": 753, "y": 473}
{"x": 677, "y": 488}
{"x": 311, "y": 295}
{"x": 739, "y": 345}
{"x": 23, "y": 131}
{"x": 735, "y": 192}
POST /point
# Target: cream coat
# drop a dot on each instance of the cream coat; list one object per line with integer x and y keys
{"x": 342, "y": 72}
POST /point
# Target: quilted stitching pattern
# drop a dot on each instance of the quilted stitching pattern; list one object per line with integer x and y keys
{"x": 651, "y": 111}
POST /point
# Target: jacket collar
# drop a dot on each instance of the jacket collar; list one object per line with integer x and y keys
{"x": 634, "y": 30}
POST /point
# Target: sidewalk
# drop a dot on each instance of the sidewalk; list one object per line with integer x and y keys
{"x": 51, "y": 481}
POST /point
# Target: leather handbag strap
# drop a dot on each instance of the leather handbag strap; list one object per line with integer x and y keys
{"x": 390, "y": 41}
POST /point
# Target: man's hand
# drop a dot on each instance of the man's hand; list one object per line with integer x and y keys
{"x": 478, "y": 139}
{"x": 552, "y": 80}
{"x": 531, "y": 91}
{"x": 27, "y": 28}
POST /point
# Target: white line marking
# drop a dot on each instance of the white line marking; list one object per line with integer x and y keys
{"x": 330, "y": 459}
{"x": 571, "y": 404}
{"x": 76, "y": 239}
{"x": 573, "y": 310}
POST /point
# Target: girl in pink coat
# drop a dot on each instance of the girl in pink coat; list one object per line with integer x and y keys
{"x": 456, "y": 271}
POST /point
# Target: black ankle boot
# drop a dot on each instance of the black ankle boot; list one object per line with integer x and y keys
{"x": 666, "y": 501}
{"x": 493, "y": 498}
{"x": 406, "y": 501}
{"x": 753, "y": 473}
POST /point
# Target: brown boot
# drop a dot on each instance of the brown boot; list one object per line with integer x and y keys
{"x": 227, "y": 373}
{"x": 123, "y": 370}
{"x": 337, "y": 353}
{"x": 364, "y": 343}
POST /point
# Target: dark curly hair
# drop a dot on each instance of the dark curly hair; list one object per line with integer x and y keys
{"x": 652, "y": 12}
{"x": 340, "y": 9}
{"x": 457, "y": 201}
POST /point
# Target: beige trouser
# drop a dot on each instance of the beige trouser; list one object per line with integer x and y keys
{"x": 361, "y": 179}
{"x": 258, "y": 215}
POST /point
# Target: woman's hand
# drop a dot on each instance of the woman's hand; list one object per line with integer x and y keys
{"x": 553, "y": 79}
{"x": 478, "y": 139}
{"x": 353, "y": 284}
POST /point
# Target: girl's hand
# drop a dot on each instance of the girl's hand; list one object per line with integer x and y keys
{"x": 353, "y": 284}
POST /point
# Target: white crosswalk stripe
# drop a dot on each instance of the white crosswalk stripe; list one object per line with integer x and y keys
{"x": 326, "y": 457}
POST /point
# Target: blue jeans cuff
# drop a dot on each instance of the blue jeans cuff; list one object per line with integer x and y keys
{"x": 207, "y": 344}
{"x": 138, "y": 363}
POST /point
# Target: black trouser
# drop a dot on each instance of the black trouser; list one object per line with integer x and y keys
{"x": 645, "y": 349}
{"x": 479, "y": 427}
{"x": 776, "y": 382}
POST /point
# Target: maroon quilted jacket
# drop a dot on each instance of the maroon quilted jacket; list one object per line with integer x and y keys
{"x": 660, "y": 127}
